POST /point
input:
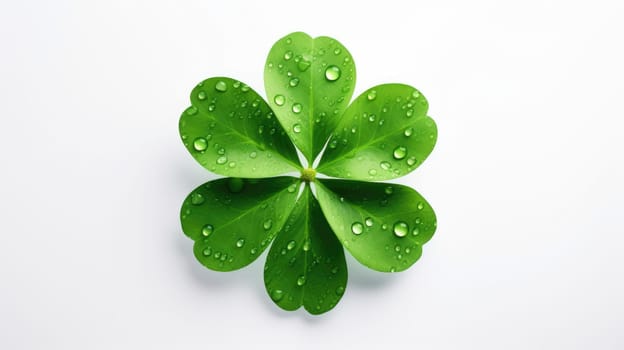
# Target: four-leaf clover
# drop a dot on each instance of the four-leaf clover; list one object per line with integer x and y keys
{"x": 383, "y": 134}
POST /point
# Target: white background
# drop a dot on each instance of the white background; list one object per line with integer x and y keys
{"x": 527, "y": 178}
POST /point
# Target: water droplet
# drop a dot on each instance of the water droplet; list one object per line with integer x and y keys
{"x": 332, "y": 73}
{"x": 372, "y": 172}
{"x": 415, "y": 94}
{"x": 191, "y": 110}
{"x": 292, "y": 188}
{"x": 293, "y": 82}
{"x": 197, "y": 199}
{"x": 253, "y": 251}
{"x": 277, "y": 295}
{"x": 297, "y": 128}
{"x": 207, "y": 230}
{"x": 207, "y": 251}
{"x": 399, "y": 153}
{"x": 279, "y": 100}
{"x": 291, "y": 245}
{"x": 296, "y": 108}
{"x": 337, "y": 51}
{"x": 369, "y": 222}
{"x": 385, "y": 165}
{"x": 400, "y": 229}
{"x": 232, "y": 164}
{"x": 397, "y": 248}
{"x": 384, "y": 227}
{"x": 371, "y": 95}
{"x": 301, "y": 280}
{"x": 303, "y": 65}
{"x": 222, "y": 160}
{"x": 201, "y": 95}
{"x": 288, "y": 55}
{"x": 253, "y": 155}
{"x": 340, "y": 291}
{"x": 388, "y": 190}
{"x": 415, "y": 231}
{"x": 245, "y": 88}
{"x": 200, "y": 144}
{"x": 357, "y": 228}
{"x": 221, "y": 86}
{"x": 371, "y": 118}
{"x": 409, "y": 113}
{"x": 420, "y": 206}
{"x": 408, "y": 132}
{"x": 240, "y": 243}
{"x": 306, "y": 245}
{"x": 411, "y": 161}
{"x": 267, "y": 224}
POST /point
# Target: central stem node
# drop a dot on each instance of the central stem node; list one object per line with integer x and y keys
{"x": 308, "y": 175}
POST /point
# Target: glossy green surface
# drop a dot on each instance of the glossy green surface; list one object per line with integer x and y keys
{"x": 383, "y": 226}
{"x": 385, "y": 133}
{"x": 309, "y": 83}
{"x": 233, "y": 220}
{"x": 306, "y": 264}
{"x": 230, "y": 130}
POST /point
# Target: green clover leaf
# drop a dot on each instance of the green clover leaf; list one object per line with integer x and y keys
{"x": 383, "y": 134}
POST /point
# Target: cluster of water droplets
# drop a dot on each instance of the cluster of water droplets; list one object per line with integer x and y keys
{"x": 247, "y": 107}
{"x": 295, "y": 66}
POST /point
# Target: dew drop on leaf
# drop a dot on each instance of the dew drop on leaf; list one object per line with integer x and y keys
{"x": 293, "y": 82}
{"x": 384, "y": 165}
{"x": 303, "y": 65}
{"x": 207, "y": 230}
{"x": 222, "y": 160}
{"x": 399, "y": 153}
{"x": 279, "y": 100}
{"x": 369, "y": 222}
{"x": 372, "y": 172}
{"x": 292, "y": 188}
{"x": 420, "y": 206}
{"x": 371, "y": 95}
{"x": 291, "y": 245}
{"x": 277, "y": 295}
{"x": 340, "y": 291}
{"x": 301, "y": 280}
{"x": 296, "y": 108}
{"x": 411, "y": 161}
{"x": 221, "y": 86}
{"x": 415, "y": 231}
{"x": 267, "y": 224}
{"x": 408, "y": 132}
{"x": 297, "y": 128}
{"x": 357, "y": 228}
{"x": 400, "y": 229}
{"x": 288, "y": 55}
{"x": 332, "y": 73}
{"x": 191, "y": 110}
{"x": 207, "y": 251}
{"x": 197, "y": 199}
{"x": 200, "y": 144}
{"x": 240, "y": 243}
{"x": 201, "y": 95}
{"x": 388, "y": 190}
